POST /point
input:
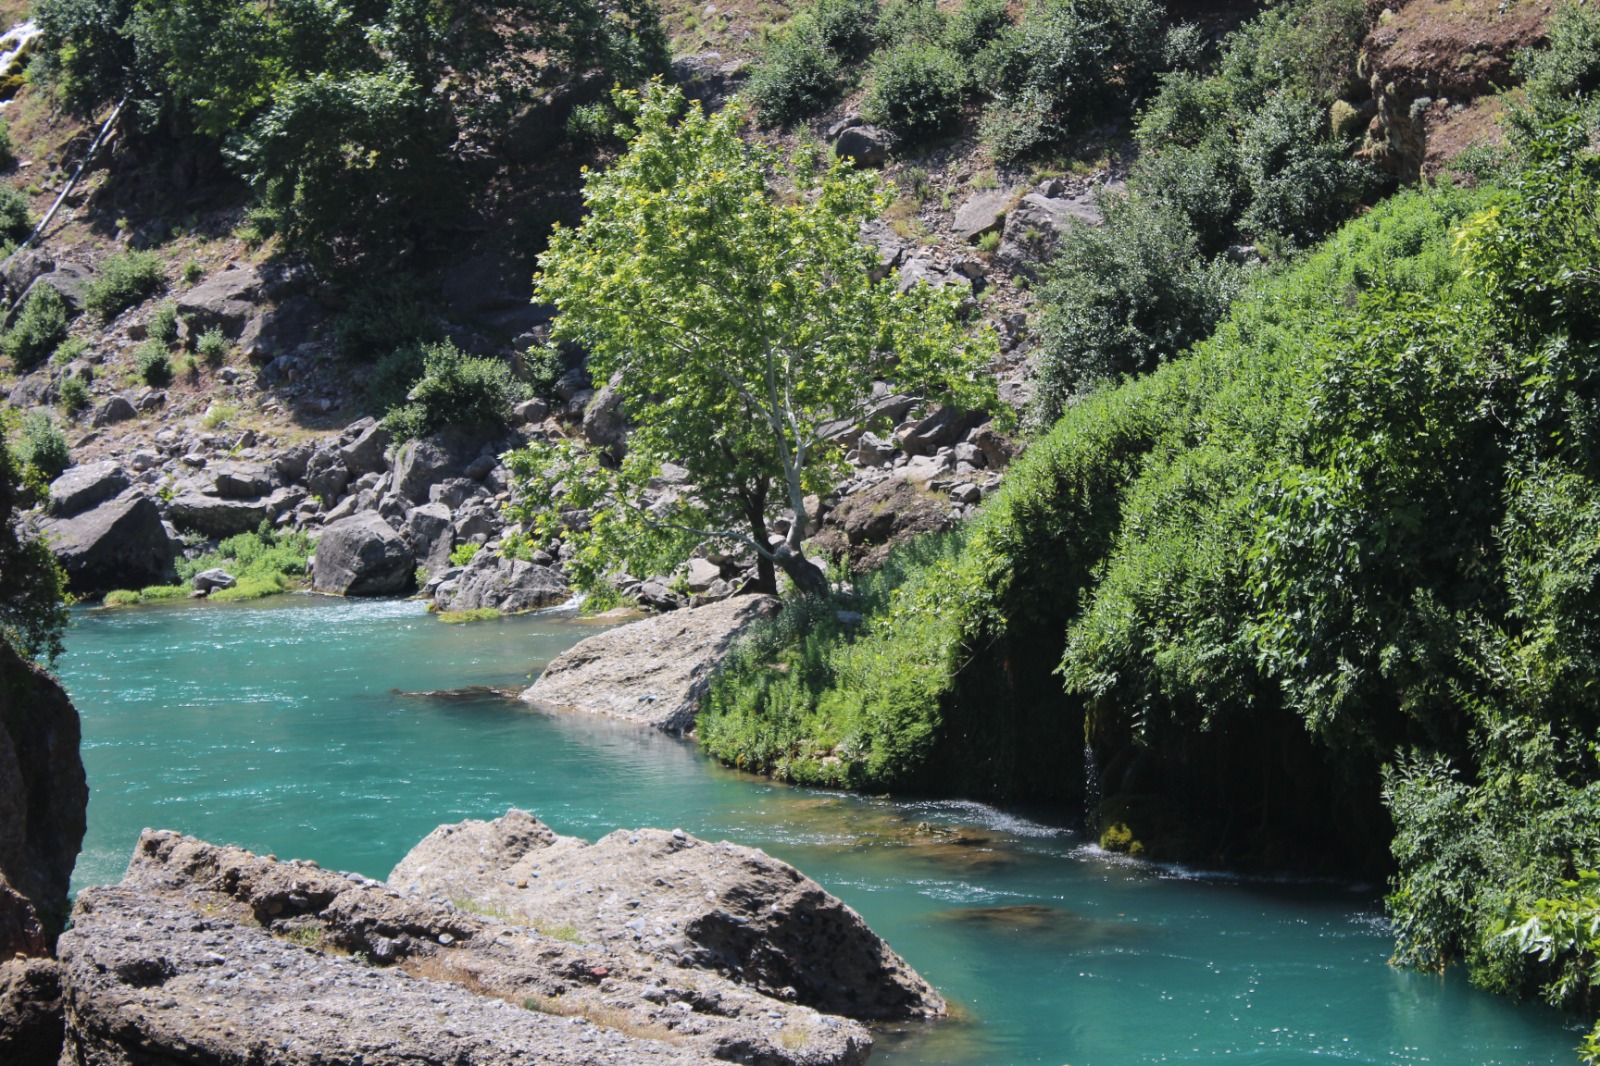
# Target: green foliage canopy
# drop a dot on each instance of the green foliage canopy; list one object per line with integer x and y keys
{"x": 736, "y": 321}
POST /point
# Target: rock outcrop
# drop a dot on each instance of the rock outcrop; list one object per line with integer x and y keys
{"x": 213, "y": 954}
{"x": 119, "y": 544}
{"x": 495, "y": 582}
{"x": 362, "y": 556}
{"x": 30, "y": 1012}
{"x": 711, "y": 906}
{"x": 86, "y": 486}
{"x": 653, "y": 672}
{"x": 43, "y": 791}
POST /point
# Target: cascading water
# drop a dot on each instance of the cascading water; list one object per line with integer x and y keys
{"x": 1091, "y": 792}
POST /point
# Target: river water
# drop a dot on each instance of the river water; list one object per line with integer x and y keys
{"x": 293, "y": 727}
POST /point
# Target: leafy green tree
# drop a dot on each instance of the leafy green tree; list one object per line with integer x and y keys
{"x": 32, "y": 611}
{"x": 736, "y": 319}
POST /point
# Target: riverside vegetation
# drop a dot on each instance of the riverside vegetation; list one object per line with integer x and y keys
{"x": 1333, "y": 566}
{"x": 1304, "y": 550}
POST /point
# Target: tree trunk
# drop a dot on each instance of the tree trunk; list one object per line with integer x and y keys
{"x": 755, "y": 514}
{"x": 807, "y": 578}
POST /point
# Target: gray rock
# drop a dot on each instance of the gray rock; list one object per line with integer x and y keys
{"x": 366, "y": 454}
{"x": 532, "y": 411}
{"x": 709, "y": 78}
{"x": 428, "y": 533}
{"x": 226, "y": 300}
{"x": 198, "y": 955}
{"x": 114, "y": 410}
{"x": 572, "y": 383}
{"x": 326, "y": 475}
{"x": 715, "y": 907}
{"x": 85, "y": 486}
{"x": 215, "y": 516}
{"x": 924, "y": 271}
{"x": 997, "y": 451}
{"x": 213, "y": 579}
{"x": 71, "y": 280}
{"x": 653, "y": 672}
{"x": 241, "y": 481}
{"x": 456, "y": 491}
{"x": 873, "y": 450}
{"x": 510, "y": 586}
{"x": 866, "y": 146}
{"x": 605, "y": 424}
{"x": 940, "y": 429}
{"x": 984, "y": 212}
{"x": 362, "y": 556}
{"x": 479, "y": 468}
{"x": 20, "y": 269}
{"x": 291, "y": 462}
{"x": 421, "y": 464}
{"x": 1034, "y": 228}
{"x": 701, "y": 574}
{"x": 119, "y": 544}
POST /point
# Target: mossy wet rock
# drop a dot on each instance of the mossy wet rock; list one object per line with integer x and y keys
{"x": 119, "y": 544}
{"x": 213, "y": 954}
{"x": 652, "y": 672}
{"x": 713, "y": 906}
{"x": 362, "y": 556}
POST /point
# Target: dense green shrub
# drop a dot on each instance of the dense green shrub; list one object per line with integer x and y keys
{"x": 392, "y": 376}
{"x": 264, "y": 563}
{"x": 152, "y": 363}
{"x": 33, "y": 614}
{"x": 849, "y": 28}
{"x": 213, "y": 346}
{"x": 125, "y": 281}
{"x": 916, "y": 91}
{"x": 1570, "y": 66}
{"x": 1204, "y": 183}
{"x": 384, "y": 314}
{"x": 164, "y": 323}
{"x": 331, "y": 111}
{"x": 1301, "y": 184}
{"x": 1121, "y": 298}
{"x": 798, "y": 75}
{"x": 40, "y": 327}
{"x": 42, "y": 447}
{"x": 903, "y": 22}
{"x": 456, "y": 389}
{"x": 16, "y": 220}
{"x": 74, "y": 395}
{"x": 1074, "y": 63}
{"x": 976, "y": 26}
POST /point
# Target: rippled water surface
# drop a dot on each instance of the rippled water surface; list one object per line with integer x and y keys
{"x": 299, "y": 728}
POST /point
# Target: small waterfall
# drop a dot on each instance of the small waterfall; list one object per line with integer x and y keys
{"x": 16, "y": 47}
{"x": 1091, "y": 792}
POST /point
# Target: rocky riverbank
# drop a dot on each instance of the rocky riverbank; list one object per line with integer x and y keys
{"x": 493, "y": 942}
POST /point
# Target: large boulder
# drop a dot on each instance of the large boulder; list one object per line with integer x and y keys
{"x": 362, "y": 556}
{"x": 429, "y": 534}
{"x": 716, "y": 907}
{"x": 85, "y": 486}
{"x": 984, "y": 212}
{"x": 226, "y": 301}
{"x": 507, "y": 585}
{"x": 941, "y": 429}
{"x": 241, "y": 481}
{"x": 1034, "y": 227}
{"x": 71, "y": 280}
{"x": 215, "y": 516}
{"x": 215, "y": 955}
{"x": 865, "y": 146}
{"x": 653, "y": 672}
{"x": 119, "y": 544}
{"x": 366, "y": 453}
{"x": 605, "y": 424}
{"x": 43, "y": 797}
{"x": 422, "y": 464}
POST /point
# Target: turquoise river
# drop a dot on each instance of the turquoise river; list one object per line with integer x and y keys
{"x": 294, "y": 728}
